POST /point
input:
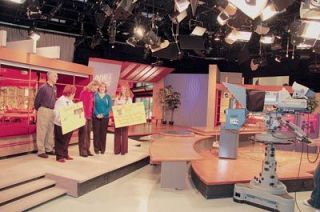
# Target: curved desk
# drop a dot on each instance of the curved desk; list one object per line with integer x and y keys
{"x": 174, "y": 153}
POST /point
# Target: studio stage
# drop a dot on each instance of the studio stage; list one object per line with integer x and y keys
{"x": 212, "y": 176}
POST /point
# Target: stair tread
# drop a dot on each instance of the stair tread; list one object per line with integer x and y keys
{"x": 23, "y": 189}
{"x": 33, "y": 200}
{"x": 18, "y": 178}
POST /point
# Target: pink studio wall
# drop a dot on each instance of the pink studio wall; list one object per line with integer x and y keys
{"x": 194, "y": 93}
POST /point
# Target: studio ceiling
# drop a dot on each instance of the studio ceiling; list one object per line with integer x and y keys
{"x": 90, "y": 20}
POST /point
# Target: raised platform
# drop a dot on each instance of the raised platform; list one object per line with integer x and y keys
{"x": 215, "y": 177}
{"x": 149, "y": 129}
{"x": 80, "y": 175}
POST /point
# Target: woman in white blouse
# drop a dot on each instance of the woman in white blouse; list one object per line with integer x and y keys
{"x": 121, "y": 133}
{"x": 61, "y": 141}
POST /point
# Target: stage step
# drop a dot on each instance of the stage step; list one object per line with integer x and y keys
{"x": 16, "y": 192}
{"x": 33, "y": 200}
{"x": 20, "y": 178}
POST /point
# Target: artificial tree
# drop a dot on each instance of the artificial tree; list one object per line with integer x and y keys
{"x": 169, "y": 100}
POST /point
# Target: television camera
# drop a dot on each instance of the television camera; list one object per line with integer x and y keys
{"x": 265, "y": 190}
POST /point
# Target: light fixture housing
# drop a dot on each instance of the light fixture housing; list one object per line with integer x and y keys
{"x": 268, "y": 12}
{"x": 267, "y": 39}
{"x": 310, "y": 9}
{"x": 179, "y": 16}
{"x": 139, "y": 31}
{"x": 253, "y": 10}
{"x": 181, "y": 5}
{"x": 18, "y": 1}
{"x": 198, "y": 31}
{"x": 235, "y": 36}
{"x": 34, "y": 35}
{"x": 311, "y": 30}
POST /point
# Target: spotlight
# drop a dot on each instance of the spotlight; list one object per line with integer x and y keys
{"x": 33, "y": 9}
{"x": 225, "y": 14}
{"x": 278, "y": 58}
{"x": 18, "y": 1}
{"x": 139, "y": 31}
{"x": 267, "y": 39}
{"x": 311, "y": 30}
{"x": 236, "y": 35}
{"x": 262, "y": 30}
{"x": 33, "y": 35}
{"x": 179, "y": 16}
{"x": 217, "y": 38}
{"x": 181, "y": 5}
{"x": 251, "y": 8}
{"x": 198, "y": 31}
{"x": 304, "y": 46}
{"x": 310, "y": 9}
{"x": 268, "y": 12}
{"x": 306, "y": 29}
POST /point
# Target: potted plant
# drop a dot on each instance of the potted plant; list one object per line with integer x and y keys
{"x": 172, "y": 101}
{"x": 163, "y": 92}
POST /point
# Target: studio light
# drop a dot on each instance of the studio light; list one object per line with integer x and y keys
{"x": 198, "y": 31}
{"x": 304, "y": 46}
{"x": 311, "y": 30}
{"x": 235, "y": 35}
{"x": 18, "y": 1}
{"x": 34, "y": 35}
{"x": 181, "y": 5}
{"x": 226, "y": 13}
{"x": 268, "y": 12}
{"x": 251, "y": 8}
{"x": 267, "y": 39}
{"x": 262, "y": 30}
{"x": 310, "y": 9}
{"x": 179, "y": 16}
{"x": 139, "y": 31}
{"x": 278, "y": 58}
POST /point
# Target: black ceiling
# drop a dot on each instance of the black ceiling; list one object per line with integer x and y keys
{"x": 83, "y": 19}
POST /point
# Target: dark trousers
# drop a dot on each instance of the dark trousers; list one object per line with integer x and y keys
{"x": 61, "y": 142}
{"x": 84, "y": 138}
{"x": 121, "y": 140}
{"x": 100, "y": 134}
{"x": 315, "y": 195}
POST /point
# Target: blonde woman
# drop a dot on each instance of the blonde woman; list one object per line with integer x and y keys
{"x": 121, "y": 133}
{"x": 87, "y": 98}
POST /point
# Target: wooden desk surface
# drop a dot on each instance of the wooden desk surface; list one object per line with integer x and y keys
{"x": 174, "y": 149}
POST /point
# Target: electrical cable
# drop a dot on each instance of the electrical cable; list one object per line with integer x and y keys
{"x": 300, "y": 163}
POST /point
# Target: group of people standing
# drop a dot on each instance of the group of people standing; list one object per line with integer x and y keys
{"x": 96, "y": 104}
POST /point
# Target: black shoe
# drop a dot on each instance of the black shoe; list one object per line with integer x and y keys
{"x": 96, "y": 152}
{"x": 43, "y": 155}
{"x": 50, "y": 153}
{"x": 84, "y": 156}
{"x": 90, "y": 154}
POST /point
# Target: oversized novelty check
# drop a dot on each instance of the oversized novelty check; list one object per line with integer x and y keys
{"x": 72, "y": 117}
{"x": 129, "y": 114}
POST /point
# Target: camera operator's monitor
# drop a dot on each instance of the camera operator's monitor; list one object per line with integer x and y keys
{"x": 255, "y": 100}
{"x": 271, "y": 98}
